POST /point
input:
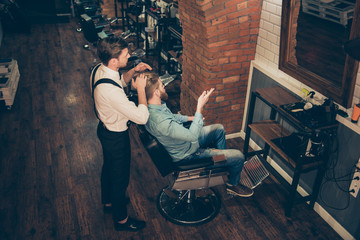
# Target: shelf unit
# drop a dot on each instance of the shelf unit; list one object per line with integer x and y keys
{"x": 9, "y": 80}
{"x": 167, "y": 40}
{"x": 152, "y": 21}
{"x": 174, "y": 48}
{"x": 338, "y": 11}
{"x": 133, "y": 12}
{"x": 271, "y": 129}
{"x": 164, "y": 31}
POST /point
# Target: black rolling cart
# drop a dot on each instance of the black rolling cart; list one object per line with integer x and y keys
{"x": 305, "y": 147}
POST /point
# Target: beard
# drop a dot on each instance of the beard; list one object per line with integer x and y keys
{"x": 164, "y": 96}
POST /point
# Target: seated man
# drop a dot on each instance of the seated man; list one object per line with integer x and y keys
{"x": 195, "y": 142}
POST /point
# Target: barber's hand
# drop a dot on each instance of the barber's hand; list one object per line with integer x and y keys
{"x": 142, "y": 67}
{"x": 203, "y": 99}
{"x": 140, "y": 82}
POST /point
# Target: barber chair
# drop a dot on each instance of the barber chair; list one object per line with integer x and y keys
{"x": 189, "y": 198}
{"x": 93, "y": 27}
{"x": 88, "y": 7}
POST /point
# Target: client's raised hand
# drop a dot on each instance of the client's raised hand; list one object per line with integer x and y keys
{"x": 203, "y": 99}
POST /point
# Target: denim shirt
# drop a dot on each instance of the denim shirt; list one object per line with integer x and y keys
{"x": 168, "y": 128}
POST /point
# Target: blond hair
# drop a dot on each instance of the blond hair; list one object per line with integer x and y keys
{"x": 152, "y": 83}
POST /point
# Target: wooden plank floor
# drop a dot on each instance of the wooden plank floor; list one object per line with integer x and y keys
{"x": 50, "y": 160}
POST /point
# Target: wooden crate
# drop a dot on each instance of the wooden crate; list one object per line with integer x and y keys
{"x": 338, "y": 11}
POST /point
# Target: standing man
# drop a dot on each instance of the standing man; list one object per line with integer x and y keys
{"x": 193, "y": 143}
{"x": 114, "y": 110}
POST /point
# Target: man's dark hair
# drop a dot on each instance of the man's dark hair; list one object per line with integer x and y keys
{"x": 110, "y": 47}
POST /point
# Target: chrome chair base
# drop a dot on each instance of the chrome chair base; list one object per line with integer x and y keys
{"x": 192, "y": 207}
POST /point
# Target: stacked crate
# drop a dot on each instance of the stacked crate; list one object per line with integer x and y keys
{"x": 339, "y": 11}
{"x": 9, "y": 79}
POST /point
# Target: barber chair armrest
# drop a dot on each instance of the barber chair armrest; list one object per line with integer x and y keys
{"x": 104, "y": 34}
{"x": 99, "y": 16}
{"x": 200, "y": 163}
{"x": 177, "y": 47}
{"x": 102, "y": 25}
{"x": 205, "y": 162}
{"x": 219, "y": 159}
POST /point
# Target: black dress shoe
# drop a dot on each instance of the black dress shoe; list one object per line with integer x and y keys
{"x": 131, "y": 225}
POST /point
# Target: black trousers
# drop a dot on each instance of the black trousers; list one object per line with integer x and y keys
{"x": 116, "y": 169}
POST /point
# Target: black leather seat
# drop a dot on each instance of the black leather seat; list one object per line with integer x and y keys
{"x": 93, "y": 27}
{"x": 189, "y": 198}
{"x": 89, "y": 7}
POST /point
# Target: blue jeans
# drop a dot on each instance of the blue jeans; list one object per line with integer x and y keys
{"x": 212, "y": 142}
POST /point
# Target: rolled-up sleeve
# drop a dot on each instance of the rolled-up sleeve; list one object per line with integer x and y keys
{"x": 178, "y": 140}
{"x": 143, "y": 116}
{"x": 181, "y": 118}
{"x": 120, "y": 102}
{"x": 112, "y": 99}
{"x": 177, "y": 131}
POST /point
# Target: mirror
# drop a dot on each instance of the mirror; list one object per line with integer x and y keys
{"x": 311, "y": 45}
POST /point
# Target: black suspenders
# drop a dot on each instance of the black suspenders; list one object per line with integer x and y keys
{"x": 100, "y": 81}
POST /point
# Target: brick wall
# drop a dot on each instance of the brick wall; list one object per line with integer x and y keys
{"x": 108, "y": 8}
{"x": 219, "y": 41}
